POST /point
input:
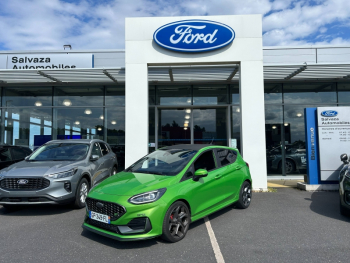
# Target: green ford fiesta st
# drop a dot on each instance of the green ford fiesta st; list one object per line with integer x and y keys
{"x": 162, "y": 193}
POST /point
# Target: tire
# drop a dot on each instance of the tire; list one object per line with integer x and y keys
{"x": 81, "y": 193}
{"x": 176, "y": 222}
{"x": 113, "y": 171}
{"x": 289, "y": 166}
{"x": 343, "y": 210}
{"x": 245, "y": 196}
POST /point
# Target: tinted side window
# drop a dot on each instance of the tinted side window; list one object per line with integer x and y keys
{"x": 188, "y": 174}
{"x": 226, "y": 156}
{"x": 27, "y": 151}
{"x": 104, "y": 148}
{"x": 5, "y": 155}
{"x": 96, "y": 150}
{"x": 18, "y": 153}
{"x": 205, "y": 161}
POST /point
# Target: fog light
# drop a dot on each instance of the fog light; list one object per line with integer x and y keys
{"x": 68, "y": 187}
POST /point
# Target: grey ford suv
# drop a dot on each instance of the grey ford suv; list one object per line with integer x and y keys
{"x": 60, "y": 171}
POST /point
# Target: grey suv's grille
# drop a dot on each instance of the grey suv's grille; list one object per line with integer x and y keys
{"x": 111, "y": 209}
{"x": 24, "y": 183}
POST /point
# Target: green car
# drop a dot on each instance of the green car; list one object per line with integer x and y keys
{"x": 162, "y": 193}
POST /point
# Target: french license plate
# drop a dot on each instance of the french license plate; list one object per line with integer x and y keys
{"x": 100, "y": 217}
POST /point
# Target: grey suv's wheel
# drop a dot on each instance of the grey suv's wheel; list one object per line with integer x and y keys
{"x": 81, "y": 193}
{"x": 176, "y": 222}
{"x": 113, "y": 171}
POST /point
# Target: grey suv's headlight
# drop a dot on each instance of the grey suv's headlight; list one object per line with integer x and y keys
{"x": 62, "y": 174}
{"x": 2, "y": 175}
{"x": 147, "y": 197}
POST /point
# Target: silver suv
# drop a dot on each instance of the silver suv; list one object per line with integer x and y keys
{"x": 60, "y": 171}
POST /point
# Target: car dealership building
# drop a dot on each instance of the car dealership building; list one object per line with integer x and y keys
{"x": 150, "y": 95}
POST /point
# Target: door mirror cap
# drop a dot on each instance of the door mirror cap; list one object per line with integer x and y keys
{"x": 199, "y": 174}
{"x": 94, "y": 158}
{"x": 344, "y": 158}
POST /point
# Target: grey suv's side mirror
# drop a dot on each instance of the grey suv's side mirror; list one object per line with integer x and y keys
{"x": 344, "y": 158}
{"x": 26, "y": 158}
{"x": 94, "y": 158}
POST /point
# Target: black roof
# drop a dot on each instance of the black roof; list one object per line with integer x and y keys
{"x": 195, "y": 147}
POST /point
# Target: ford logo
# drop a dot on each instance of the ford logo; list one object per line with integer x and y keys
{"x": 329, "y": 113}
{"x": 22, "y": 181}
{"x": 100, "y": 205}
{"x": 194, "y": 35}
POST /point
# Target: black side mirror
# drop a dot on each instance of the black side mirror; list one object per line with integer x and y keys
{"x": 94, "y": 158}
{"x": 199, "y": 174}
{"x": 344, "y": 158}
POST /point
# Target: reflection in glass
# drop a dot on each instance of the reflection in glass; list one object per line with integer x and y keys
{"x": 209, "y": 126}
{"x": 273, "y": 93}
{"x": 78, "y": 96}
{"x": 210, "y": 95}
{"x": 236, "y": 127}
{"x": 307, "y": 93}
{"x": 234, "y": 91}
{"x": 27, "y": 127}
{"x": 152, "y": 95}
{"x": 171, "y": 129}
{"x": 343, "y": 92}
{"x": 174, "y": 95}
{"x": 27, "y": 97}
{"x": 115, "y": 96}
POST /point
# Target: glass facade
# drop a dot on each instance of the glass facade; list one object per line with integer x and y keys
{"x": 31, "y": 116}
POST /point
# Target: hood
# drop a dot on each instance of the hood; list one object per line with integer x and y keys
{"x": 129, "y": 184}
{"x": 36, "y": 169}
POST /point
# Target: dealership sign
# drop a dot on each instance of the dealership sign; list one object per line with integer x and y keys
{"x": 194, "y": 35}
{"x": 49, "y": 61}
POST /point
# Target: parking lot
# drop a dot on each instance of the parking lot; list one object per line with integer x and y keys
{"x": 284, "y": 226}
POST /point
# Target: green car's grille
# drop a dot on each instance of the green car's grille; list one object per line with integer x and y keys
{"x": 108, "y": 227}
{"x": 106, "y": 208}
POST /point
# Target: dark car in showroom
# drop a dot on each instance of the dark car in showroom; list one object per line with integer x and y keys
{"x": 10, "y": 154}
{"x": 295, "y": 159}
{"x": 60, "y": 171}
{"x": 344, "y": 186}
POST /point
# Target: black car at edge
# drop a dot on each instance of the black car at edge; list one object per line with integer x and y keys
{"x": 344, "y": 186}
{"x": 10, "y": 154}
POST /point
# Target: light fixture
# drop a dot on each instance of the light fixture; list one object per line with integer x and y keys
{"x": 67, "y": 46}
{"x": 186, "y": 121}
{"x": 299, "y": 114}
{"x": 189, "y": 101}
{"x": 185, "y": 124}
{"x": 99, "y": 129}
{"x": 77, "y": 122}
{"x": 38, "y": 103}
{"x": 187, "y": 117}
{"x": 238, "y": 110}
{"x": 67, "y": 103}
{"x": 88, "y": 111}
{"x": 113, "y": 122}
{"x": 188, "y": 110}
{"x": 274, "y": 127}
{"x": 285, "y": 124}
{"x": 185, "y": 128}
{"x": 101, "y": 117}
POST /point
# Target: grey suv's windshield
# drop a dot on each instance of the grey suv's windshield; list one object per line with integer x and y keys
{"x": 60, "y": 152}
{"x": 163, "y": 162}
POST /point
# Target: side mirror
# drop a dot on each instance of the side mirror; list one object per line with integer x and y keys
{"x": 26, "y": 158}
{"x": 344, "y": 158}
{"x": 199, "y": 174}
{"x": 94, "y": 158}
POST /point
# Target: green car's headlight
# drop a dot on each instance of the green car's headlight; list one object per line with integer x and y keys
{"x": 62, "y": 174}
{"x": 147, "y": 197}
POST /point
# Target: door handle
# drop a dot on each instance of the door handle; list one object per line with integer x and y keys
{"x": 218, "y": 176}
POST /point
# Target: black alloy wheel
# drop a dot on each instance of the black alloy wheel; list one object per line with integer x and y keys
{"x": 176, "y": 222}
{"x": 245, "y": 196}
{"x": 290, "y": 167}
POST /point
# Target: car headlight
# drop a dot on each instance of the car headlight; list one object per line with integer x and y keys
{"x": 62, "y": 174}
{"x": 147, "y": 197}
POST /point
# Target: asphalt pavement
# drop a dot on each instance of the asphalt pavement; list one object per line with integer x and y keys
{"x": 289, "y": 225}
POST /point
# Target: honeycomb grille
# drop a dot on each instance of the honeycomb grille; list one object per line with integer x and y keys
{"x": 31, "y": 183}
{"x": 113, "y": 210}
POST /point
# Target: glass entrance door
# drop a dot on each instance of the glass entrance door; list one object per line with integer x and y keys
{"x": 199, "y": 126}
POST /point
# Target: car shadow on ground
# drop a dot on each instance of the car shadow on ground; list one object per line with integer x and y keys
{"x": 327, "y": 204}
{"x": 35, "y": 210}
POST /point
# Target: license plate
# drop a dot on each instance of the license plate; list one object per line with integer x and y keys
{"x": 99, "y": 217}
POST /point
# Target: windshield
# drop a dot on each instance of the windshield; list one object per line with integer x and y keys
{"x": 60, "y": 152}
{"x": 163, "y": 162}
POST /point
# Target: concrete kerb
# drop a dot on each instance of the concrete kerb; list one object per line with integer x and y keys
{"x": 317, "y": 187}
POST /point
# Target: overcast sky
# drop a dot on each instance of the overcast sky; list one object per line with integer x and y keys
{"x": 99, "y": 24}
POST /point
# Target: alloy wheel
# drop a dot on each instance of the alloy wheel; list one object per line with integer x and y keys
{"x": 289, "y": 167}
{"x": 83, "y": 192}
{"x": 179, "y": 221}
{"x": 246, "y": 195}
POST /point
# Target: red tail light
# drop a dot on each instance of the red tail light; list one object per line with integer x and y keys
{"x": 247, "y": 164}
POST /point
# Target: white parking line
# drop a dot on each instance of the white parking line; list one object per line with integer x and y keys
{"x": 214, "y": 242}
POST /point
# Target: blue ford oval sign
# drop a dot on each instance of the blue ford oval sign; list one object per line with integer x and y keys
{"x": 329, "y": 113}
{"x": 22, "y": 181}
{"x": 194, "y": 35}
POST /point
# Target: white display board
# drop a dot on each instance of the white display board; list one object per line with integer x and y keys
{"x": 334, "y": 139}
{"x": 49, "y": 61}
